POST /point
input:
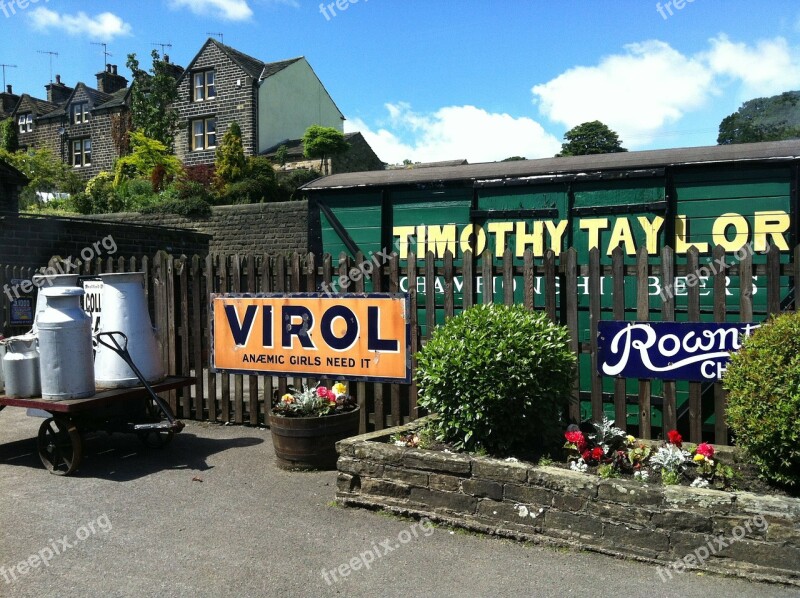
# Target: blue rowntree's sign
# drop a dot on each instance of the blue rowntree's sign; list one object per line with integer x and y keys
{"x": 668, "y": 350}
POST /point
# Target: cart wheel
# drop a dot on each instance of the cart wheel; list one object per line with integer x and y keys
{"x": 156, "y": 438}
{"x": 60, "y": 446}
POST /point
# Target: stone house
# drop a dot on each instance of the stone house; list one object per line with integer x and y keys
{"x": 84, "y": 126}
{"x": 271, "y": 102}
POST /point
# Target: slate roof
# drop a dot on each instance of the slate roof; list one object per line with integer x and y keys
{"x": 40, "y": 106}
{"x": 97, "y": 98}
{"x": 575, "y": 165}
{"x": 257, "y": 69}
{"x": 294, "y": 147}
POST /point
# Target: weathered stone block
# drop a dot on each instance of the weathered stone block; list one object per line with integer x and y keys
{"x": 563, "y": 480}
{"x": 635, "y": 539}
{"x": 698, "y": 499}
{"x": 673, "y": 519}
{"x": 359, "y": 467}
{"x": 569, "y": 502}
{"x": 781, "y": 531}
{"x": 444, "y": 482}
{"x": 509, "y": 513}
{"x": 528, "y": 495}
{"x": 482, "y": 489}
{"x": 619, "y": 513}
{"x": 407, "y": 476}
{"x": 573, "y": 526}
{"x": 437, "y": 461}
{"x": 384, "y": 488}
{"x": 629, "y": 492}
{"x": 764, "y": 554}
{"x": 347, "y": 483}
{"x": 775, "y": 506}
{"x": 502, "y": 471}
{"x": 376, "y": 451}
{"x": 452, "y": 501}
{"x": 741, "y": 526}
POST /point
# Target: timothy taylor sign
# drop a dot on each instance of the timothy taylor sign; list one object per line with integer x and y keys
{"x": 355, "y": 337}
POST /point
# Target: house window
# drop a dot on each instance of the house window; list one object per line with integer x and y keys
{"x": 204, "y": 133}
{"x": 81, "y": 152}
{"x": 80, "y": 113}
{"x": 204, "y": 86}
{"x": 25, "y": 123}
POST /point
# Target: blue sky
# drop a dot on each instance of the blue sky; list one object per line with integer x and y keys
{"x": 435, "y": 80}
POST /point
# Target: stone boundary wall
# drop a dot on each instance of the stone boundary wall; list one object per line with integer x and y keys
{"x": 274, "y": 228}
{"x": 664, "y": 525}
{"x": 32, "y": 241}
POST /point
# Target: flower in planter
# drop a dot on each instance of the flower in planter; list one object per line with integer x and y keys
{"x": 315, "y": 402}
{"x": 674, "y": 437}
{"x": 705, "y": 450}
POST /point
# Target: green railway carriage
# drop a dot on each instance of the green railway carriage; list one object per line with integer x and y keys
{"x": 731, "y": 196}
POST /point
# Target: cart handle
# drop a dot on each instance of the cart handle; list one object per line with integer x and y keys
{"x": 116, "y": 347}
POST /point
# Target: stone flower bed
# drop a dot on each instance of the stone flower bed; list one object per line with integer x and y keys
{"x": 680, "y": 528}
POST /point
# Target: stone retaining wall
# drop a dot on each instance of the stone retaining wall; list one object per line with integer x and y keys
{"x": 680, "y": 528}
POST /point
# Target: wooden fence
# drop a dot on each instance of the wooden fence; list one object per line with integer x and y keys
{"x": 178, "y": 290}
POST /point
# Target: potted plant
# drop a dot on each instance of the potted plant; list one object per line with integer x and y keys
{"x": 307, "y": 424}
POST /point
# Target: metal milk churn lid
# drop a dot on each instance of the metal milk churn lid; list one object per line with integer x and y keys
{"x": 125, "y": 310}
{"x": 46, "y": 281}
{"x": 21, "y": 366}
{"x": 65, "y": 346}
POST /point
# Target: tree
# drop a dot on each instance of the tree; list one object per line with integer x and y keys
{"x": 8, "y": 135}
{"x": 282, "y": 155}
{"x": 152, "y": 96}
{"x": 590, "y": 138}
{"x": 148, "y": 156}
{"x": 323, "y": 143}
{"x": 45, "y": 172}
{"x": 230, "y": 160}
{"x": 514, "y": 159}
{"x": 763, "y": 119}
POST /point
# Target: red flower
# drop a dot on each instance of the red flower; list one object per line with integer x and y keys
{"x": 674, "y": 437}
{"x": 577, "y": 438}
{"x": 705, "y": 449}
{"x": 597, "y": 453}
{"x": 322, "y": 392}
{"x": 586, "y": 455}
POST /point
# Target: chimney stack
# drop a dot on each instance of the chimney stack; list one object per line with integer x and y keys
{"x": 110, "y": 81}
{"x": 57, "y": 93}
{"x": 9, "y": 90}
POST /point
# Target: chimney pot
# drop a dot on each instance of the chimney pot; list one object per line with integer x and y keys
{"x": 58, "y": 79}
{"x": 166, "y": 58}
{"x": 8, "y": 89}
{"x": 114, "y": 69}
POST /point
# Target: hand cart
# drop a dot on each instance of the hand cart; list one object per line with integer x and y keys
{"x": 136, "y": 410}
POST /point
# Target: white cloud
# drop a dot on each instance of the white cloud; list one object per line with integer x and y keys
{"x": 651, "y": 86}
{"x": 455, "y": 132}
{"x": 769, "y": 68}
{"x": 635, "y": 93}
{"x": 228, "y": 10}
{"x": 104, "y": 26}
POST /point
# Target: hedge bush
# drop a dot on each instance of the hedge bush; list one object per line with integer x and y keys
{"x": 500, "y": 378}
{"x": 763, "y": 381}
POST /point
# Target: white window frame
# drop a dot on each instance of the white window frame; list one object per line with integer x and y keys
{"x": 25, "y": 123}
{"x": 80, "y": 113}
{"x": 203, "y": 133}
{"x": 81, "y": 152}
{"x": 204, "y": 86}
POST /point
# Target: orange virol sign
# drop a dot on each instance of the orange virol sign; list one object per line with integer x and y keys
{"x": 354, "y": 337}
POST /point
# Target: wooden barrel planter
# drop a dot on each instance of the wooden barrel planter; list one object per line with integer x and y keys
{"x": 310, "y": 442}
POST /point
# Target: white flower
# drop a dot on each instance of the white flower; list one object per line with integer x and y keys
{"x": 579, "y": 465}
{"x": 523, "y": 510}
{"x": 642, "y": 476}
{"x": 700, "y": 483}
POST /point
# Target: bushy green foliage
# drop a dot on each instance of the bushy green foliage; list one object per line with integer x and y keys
{"x": 103, "y": 198}
{"x": 153, "y": 95}
{"x": 258, "y": 185}
{"x": 763, "y": 119}
{"x": 147, "y": 154}
{"x": 45, "y": 172}
{"x": 290, "y": 182}
{"x": 8, "y": 135}
{"x": 230, "y": 163}
{"x": 588, "y": 138}
{"x": 499, "y": 377}
{"x": 763, "y": 381}
{"x": 323, "y": 142}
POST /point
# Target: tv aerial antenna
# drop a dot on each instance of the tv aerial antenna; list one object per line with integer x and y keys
{"x": 4, "y": 67}
{"x": 50, "y": 54}
{"x": 162, "y": 46}
{"x": 106, "y": 53}
{"x": 220, "y": 36}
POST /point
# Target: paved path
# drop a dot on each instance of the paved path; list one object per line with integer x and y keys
{"x": 135, "y": 523}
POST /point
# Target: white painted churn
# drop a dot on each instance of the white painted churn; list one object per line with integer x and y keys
{"x": 47, "y": 281}
{"x": 65, "y": 346}
{"x": 21, "y": 366}
{"x": 125, "y": 310}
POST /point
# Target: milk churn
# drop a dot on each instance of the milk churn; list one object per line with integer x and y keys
{"x": 125, "y": 310}
{"x": 46, "y": 281}
{"x": 21, "y": 366}
{"x": 65, "y": 346}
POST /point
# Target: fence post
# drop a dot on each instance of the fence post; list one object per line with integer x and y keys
{"x": 695, "y": 389}
{"x": 643, "y": 314}
{"x": 620, "y": 384}
{"x": 720, "y": 315}
{"x": 669, "y": 410}
{"x": 594, "y": 318}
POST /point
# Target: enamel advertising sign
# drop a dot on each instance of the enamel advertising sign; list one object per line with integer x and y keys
{"x": 693, "y": 351}
{"x": 349, "y": 336}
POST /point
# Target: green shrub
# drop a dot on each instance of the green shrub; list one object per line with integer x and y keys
{"x": 763, "y": 381}
{"x": 499, "y": 377}
{"x": 104, "y": 198}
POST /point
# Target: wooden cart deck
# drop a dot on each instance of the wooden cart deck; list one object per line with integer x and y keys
{"x": 103, "y": 397}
